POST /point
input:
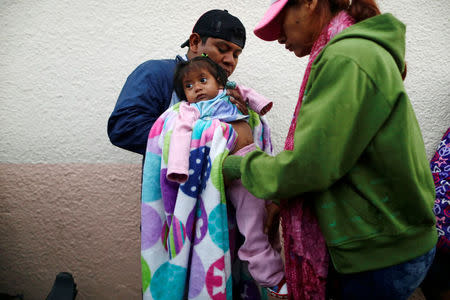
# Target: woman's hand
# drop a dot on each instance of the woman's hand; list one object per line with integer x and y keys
{"x": 273, "y": 218}
{"x": 236, "y": 99}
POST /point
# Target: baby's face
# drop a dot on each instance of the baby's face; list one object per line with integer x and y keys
{"x": 200, "y": 85}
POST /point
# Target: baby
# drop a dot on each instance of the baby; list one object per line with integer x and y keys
{"x": 203, "y": 84}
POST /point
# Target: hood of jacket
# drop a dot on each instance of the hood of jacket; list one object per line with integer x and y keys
{"x": 385, "y": 30}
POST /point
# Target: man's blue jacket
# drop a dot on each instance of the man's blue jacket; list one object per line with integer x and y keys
{"x": 147, "y": 93}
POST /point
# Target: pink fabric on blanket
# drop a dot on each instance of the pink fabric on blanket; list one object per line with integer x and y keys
{"x": 306, "y": 253}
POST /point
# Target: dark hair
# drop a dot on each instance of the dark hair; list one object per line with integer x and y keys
{"x": 359, "y": 9}
{"x": 202, "y": 38}
{"x": 197, "y": 63}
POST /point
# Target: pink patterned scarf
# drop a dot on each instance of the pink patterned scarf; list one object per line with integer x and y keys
{"x": 306, "y": 253}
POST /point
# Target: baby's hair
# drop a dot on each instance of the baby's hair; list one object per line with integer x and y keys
{"x": 197, "y": 63}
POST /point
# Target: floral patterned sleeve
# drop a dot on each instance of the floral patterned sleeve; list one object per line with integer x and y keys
{"x": 440, "y": 167}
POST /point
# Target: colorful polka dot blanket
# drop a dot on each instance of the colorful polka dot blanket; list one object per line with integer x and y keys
{"x": 185, "y": 246}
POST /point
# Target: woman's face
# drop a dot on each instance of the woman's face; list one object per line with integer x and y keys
{"x": 297, "y": 30}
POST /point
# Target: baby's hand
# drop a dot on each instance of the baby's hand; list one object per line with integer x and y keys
{"x": 180, "y": 178}
{"x": 266, "y": 109}
{"x": 236, "y": 99}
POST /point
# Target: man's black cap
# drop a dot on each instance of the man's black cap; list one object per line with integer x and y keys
{"x": 220, "y": 24}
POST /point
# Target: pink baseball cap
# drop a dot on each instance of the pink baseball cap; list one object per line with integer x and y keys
{"x": 269, "y": 28}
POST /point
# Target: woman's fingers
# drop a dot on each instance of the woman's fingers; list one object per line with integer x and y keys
{"x": 273, "y": 211}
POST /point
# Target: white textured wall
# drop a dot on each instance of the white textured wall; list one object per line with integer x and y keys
{"x": 63, "y": 63}
{"x": 69, "y": 200}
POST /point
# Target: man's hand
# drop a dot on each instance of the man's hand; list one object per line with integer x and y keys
{"x": 244, "y": 135}
{"x": 236, "y": 99}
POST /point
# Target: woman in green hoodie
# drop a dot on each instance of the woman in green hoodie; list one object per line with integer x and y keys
{"x": 353, "y": 181}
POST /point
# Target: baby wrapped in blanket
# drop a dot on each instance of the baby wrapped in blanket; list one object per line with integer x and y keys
{"x": 185, "y": 243}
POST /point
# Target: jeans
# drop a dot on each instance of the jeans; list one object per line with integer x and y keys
{"x": 396, "y": 282}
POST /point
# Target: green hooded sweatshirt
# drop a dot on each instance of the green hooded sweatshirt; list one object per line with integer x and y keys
{"x": 358, "y": 153}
